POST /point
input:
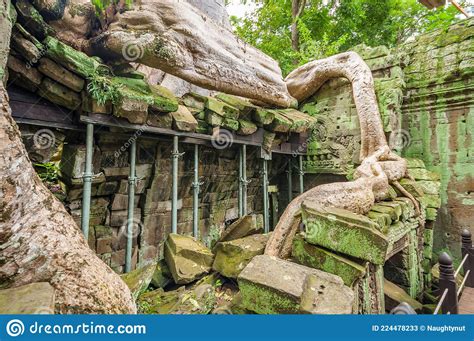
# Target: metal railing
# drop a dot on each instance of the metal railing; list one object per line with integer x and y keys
{"x": 449, "y": 291}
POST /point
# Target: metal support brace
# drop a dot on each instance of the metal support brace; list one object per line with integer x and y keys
{"x": 87, "y": 181}
{"x": 175, "y": 155}
{"x": 266, "y": 222}
{"x": 196, "y": 188}
{"x": 245, "y": 182}
{"x": 301, "y": 173}
{"x": 241, "y": 185}
{"x": 290, "y": 181}
{"x": 132, "y": 180}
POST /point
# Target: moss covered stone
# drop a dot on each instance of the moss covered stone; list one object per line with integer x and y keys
{"x": 74, "y": 60}
{"x": 280, "y": 123}
{"x": 343, "y": 231}
{"x": 32, "y": 20}
{"x": 162, "y": 275}
{"x": 242, "y": 104}
{"x": 221, "y": 108}
{"x": 233, "y": 256}
{"x": 270, "y": 285}
{"x": 198, "y": 300}
{"x": 263, "y": 116}
{"x": 138, "y": 280}
{"x": 246, "y": 127}
{"x": 322, "y": 259}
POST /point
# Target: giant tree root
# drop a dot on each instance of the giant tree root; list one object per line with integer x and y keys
{"x": 39, "y": 240}
{"x": 379, "y": 166}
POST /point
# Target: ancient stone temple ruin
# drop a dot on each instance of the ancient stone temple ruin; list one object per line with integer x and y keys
{"x": 183, "y": 193}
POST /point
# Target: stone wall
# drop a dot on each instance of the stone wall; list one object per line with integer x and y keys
{"x": 218, "y": 170}
{"x": 425, "y": 96}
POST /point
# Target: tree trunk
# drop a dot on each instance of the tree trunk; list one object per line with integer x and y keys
{"x": 297, "y": 8}
{"x": 39, "y": 240}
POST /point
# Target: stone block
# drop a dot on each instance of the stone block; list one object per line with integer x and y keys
{"x": 26, "y": 48}
{"x": 394, "y": 295}
{"x": 270, "y": 285}
{"x": 119, "y": 218}
{"x": 19, "y": 74}
{"x": 59, "y": 94}
{"x": 140, "y": 186}
{"x": 138, "y": 280}
{"x": 431, "y": 201}
{"x": 431, "y": 213}
{"x": 321, "y": 259}
{"x": 107, "y": 188}
{"x": 233, "y": 256}
{"x": 183, "y": 120}
{"x": 394, "y": 214}
{"x": 244, "y": 226}
{"x": 221, "y": 108}
{"x": 160, "y": 120}
{"x": 187, "y": 258}
{"x": 194, "y": 100}
{"x": 120, "y": 202}
{"x": 34, "y": 298}
{"x": 246, "y": 127}
{"x": 423, "y": 174}
{"x": 73, "y": 60}
{"x": 345, "y": 232}
{"x": 162, "y": 275}
{"x": 60, "y": 74}
{"x": 91, "y": 105}
{"x": 134, "y": 110}
{"x": 411, "y": 187}
{"x": 263, "y": 116}
{"x": 280, "y": 123}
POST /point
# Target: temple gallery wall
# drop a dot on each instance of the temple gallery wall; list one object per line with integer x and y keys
{"x": 142, "y": 175}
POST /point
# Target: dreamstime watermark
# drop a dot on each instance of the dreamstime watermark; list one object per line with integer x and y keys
{"x": 44, "y": 138}
{"x": 222, "y": 139}
{"x": 16, "y": 328}
{"x": 399, "y": 139}
{"x": 131, "y": 51}
{"x": 123, "y": 148}
{"x": 136, "y": 228}
{"x": 42, "y": 53}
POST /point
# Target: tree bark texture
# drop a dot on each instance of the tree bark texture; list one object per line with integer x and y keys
{"x": 179, "y": 39}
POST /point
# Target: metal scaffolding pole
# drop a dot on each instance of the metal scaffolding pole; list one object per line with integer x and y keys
{"x": 290, "y": 181}
{"x": 196, "y": 186}
{"x": 174, "y": 198}
{"x": 266, "y": 222}
{"x": 132, "y": 179}
{"x": 87, "y": 181}
{"x": 244, "y": 180}
{"x": 241, "y": 188}
{"x": 301, "y": 173}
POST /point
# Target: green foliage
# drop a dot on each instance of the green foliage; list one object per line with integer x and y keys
{"x": 48, "y": 171}
{"x": 334, "y": 26}
{"x": 101, "y": 5}
{"x": 103, "y": 90}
